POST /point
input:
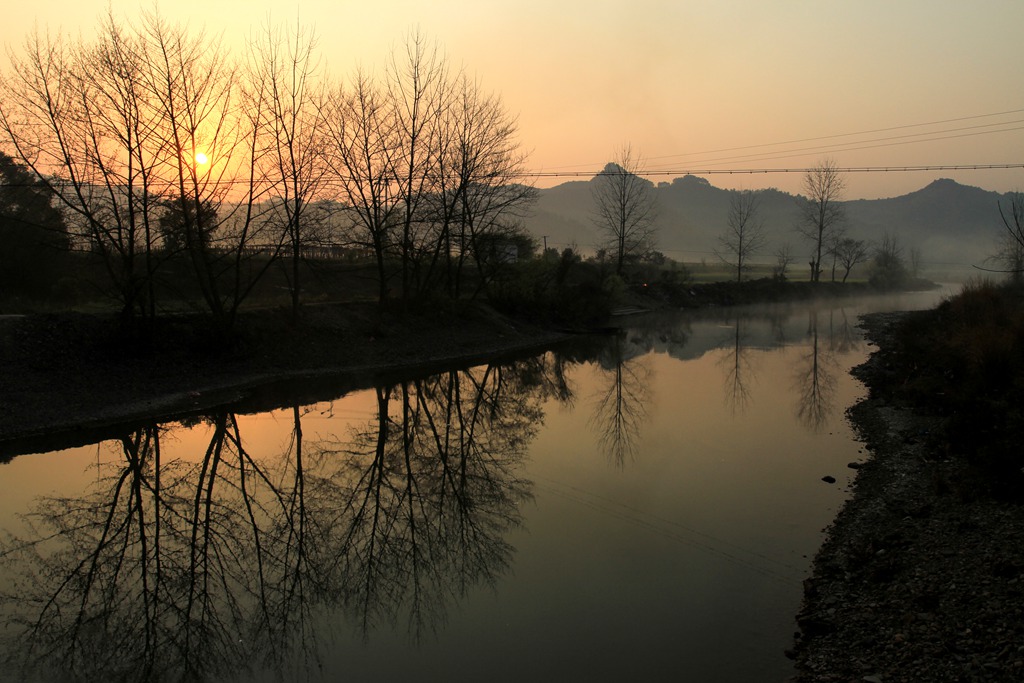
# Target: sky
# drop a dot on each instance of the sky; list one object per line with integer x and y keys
{"x": 690, "y": 85}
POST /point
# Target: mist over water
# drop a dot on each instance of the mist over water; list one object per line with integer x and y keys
{"x": 642, "y": 505}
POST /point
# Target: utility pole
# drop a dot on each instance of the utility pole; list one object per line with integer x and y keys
{"x": 545, "y": 238}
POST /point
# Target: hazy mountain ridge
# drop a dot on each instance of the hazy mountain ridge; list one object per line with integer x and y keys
{"x": 947, "y": 222}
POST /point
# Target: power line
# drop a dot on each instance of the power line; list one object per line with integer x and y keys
{"x": 846, "y": 135}
{"x": 892, "y": 141}
{"x": 833, "y": 137}
{"x": 754, "y": 171}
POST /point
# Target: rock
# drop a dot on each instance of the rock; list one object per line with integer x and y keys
{"x": 854, "y": 465}
{"x": 828, "y": 479}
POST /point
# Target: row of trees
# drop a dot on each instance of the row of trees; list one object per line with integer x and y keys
{"x": 625, "y": 212}
{"x": 156, "y": 143}
{"x": 822, "y": 224}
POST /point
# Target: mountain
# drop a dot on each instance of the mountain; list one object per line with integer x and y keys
{"x": 947, "y": 222}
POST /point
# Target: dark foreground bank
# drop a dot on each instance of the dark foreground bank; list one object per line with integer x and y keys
{"x": 921, "y": 577}
{"x": 66, "y": 374}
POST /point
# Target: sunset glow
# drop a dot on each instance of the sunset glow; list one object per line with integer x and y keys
{"x": 693, "y": 86}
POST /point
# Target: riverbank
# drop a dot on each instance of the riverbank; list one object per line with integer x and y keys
{"x": 921, "y": 577}
{"x": 68, "y": 374}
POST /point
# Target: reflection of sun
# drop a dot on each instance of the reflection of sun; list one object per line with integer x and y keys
{"x": 202, "y": 159}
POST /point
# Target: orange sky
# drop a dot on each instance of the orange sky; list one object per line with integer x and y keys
{"x": 682, "y": 80}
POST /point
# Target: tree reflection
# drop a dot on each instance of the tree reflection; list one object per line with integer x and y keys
{"x": 198, "y": 569}
{"x": 738, "y": 368}
{"x": 431, "y": 488}
{"x": 621, "y": 402}
{"x": 816, "y": 381}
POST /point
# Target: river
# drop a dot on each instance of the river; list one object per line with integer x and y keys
{"x": 642, "y": 505}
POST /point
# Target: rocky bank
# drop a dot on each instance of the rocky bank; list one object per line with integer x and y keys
{"x": 921, "y": 577}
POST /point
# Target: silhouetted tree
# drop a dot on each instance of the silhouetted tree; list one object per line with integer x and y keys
{"x": 624, "y": 208}
{"x": 174, "y": 221}
{"x": 745, "y": 234}
{"x": 822, "y": 212}
{"x": 283, "y": 68}
{"x": 783, "y": 259}
{"x": 850, "y": 252}
{"x": 1010, "y": 253}
{"x": 362, "y": 142}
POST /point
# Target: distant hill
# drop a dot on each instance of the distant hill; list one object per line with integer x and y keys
{"x": 948, "y": 222}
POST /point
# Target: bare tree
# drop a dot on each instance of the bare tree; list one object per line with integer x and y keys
{"x": 362, "y": 147}
{"x": 849, "y": 252}
{"x": 416, "y": 87}
{"x": 783, "y": 259}
{"x": 492, "y": 198}
{"x": 80, "y": 118}
{"x": 119, "y": 126}
{"x": 745, "y": 234}
{"x": 1010, "y": 255}
{"x": 625, "y": 208}
{"x": 283, "y": 68}
{"x": 821, "y": 210}
{"x": 213, "y": 157}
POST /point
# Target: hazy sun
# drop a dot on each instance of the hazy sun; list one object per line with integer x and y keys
{"x": 202, "y": 159}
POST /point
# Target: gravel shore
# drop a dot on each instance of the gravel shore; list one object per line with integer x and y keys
{"x": 921, "y": 577}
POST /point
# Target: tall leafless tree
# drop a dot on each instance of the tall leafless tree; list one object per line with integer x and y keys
{"x": 80, "y": 117}
{"x": 362, "y": 144}
{"x": 822, "y": 211}
{"x": 283, "y": 68}
{"x": 416, "y": 87}
{"x": 121, "y": 124}
{"x": 745, "y": 234}
{"x": 624, "y": 208}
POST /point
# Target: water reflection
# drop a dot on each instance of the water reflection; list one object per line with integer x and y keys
{"x": 198, "y": 569}
{"x": 620, "y": 403}
{"x": 186, "y": 560}
{"x": 738, "y": 368}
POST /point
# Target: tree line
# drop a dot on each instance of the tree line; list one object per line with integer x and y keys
{"x": 158, "y": 146}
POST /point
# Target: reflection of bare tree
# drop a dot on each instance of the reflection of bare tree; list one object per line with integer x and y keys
{"x": 842, "y": 332}
{"x": 431, "y": 488}
{"x": 816, "y": 378}
{"x": 204, "y": 568}
{"x": 739, "y": 370}
{"x": 621, "y": 406}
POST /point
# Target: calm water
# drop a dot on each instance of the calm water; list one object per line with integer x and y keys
{"x": 638, "y": 507}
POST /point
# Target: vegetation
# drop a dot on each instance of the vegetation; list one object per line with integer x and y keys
{"x": 965, "y": 360}
{"x": 156, "y": 147}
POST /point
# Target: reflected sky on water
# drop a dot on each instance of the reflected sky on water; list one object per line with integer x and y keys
{"x": 641, "y": 505}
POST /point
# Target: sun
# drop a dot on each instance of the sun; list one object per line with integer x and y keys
{"x": 202, "y": 159}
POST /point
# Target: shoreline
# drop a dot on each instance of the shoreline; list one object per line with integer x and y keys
{"x": 921, "y": 575}
{"x": 102, "y": 387}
